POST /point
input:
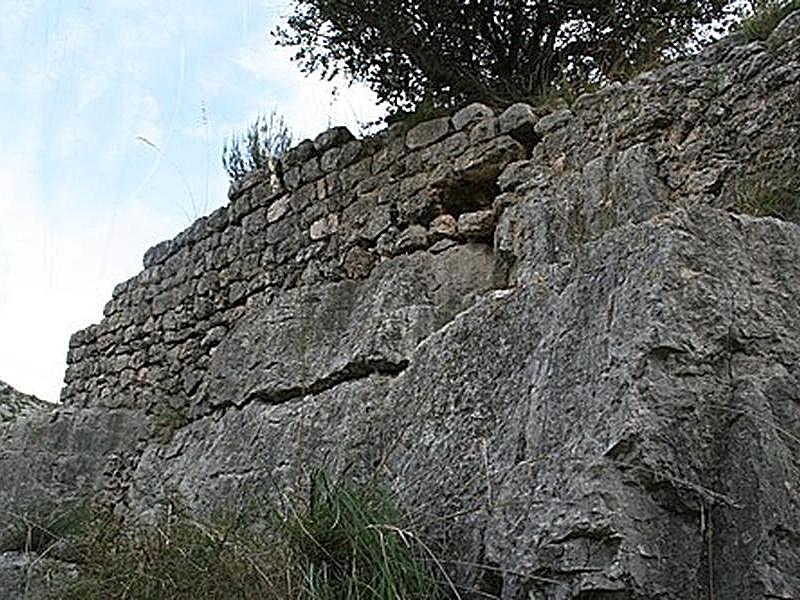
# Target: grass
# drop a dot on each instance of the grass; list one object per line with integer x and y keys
{"x": 40, "y": 534}
{"x": 774, "y": 191}
{"x": 169, "y": 419}
{"x": 764, "y": 20}
{"x": 342, "y": 542}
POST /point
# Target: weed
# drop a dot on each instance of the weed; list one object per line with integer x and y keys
{"x": 349, "y": 546}
{"x": 169, "y": 419}
{"x": 266, "y": 139}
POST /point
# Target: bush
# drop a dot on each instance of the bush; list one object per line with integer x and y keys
{"x": 266, "y": 139}
{"x": 341, "y": 543}
{"x": 766, "y": 17}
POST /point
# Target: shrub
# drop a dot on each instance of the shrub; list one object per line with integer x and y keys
{"x": 766, "y": 17}
{"x": 266, "y": 139}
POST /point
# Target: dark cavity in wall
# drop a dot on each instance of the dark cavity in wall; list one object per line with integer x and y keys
{"x": 458, "y": 197}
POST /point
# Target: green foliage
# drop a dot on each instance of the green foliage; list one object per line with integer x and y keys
{"x": 266, "y": 139}
{"x": 169, "y": 419}
{"x": 765, "y": 18}
{"x": 772, "y": 191}
{"x": 451, "y": 52}
{"x": 342, "y": 543}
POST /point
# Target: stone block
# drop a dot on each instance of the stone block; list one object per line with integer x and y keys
{"x": 471, "y": 114}
{"x": 333, "y": 137}
{"x": 427, "y": 133}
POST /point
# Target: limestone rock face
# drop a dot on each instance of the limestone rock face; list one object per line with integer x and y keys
{"x": 557, "y": 339}
{"x": 14, "y": 404}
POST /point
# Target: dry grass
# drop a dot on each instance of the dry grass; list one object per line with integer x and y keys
{"x": 341, "y": 543}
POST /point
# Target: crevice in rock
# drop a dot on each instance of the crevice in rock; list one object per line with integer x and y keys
{"x": 352, "y": 371}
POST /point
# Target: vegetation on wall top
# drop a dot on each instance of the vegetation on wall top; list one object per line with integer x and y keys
{"x": 449, "y": 52}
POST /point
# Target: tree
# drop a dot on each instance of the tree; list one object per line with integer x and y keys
{"x": 268, "y": 137}
{"x": 446, "y": 52}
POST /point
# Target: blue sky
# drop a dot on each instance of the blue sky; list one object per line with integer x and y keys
{"x": 81, "y": 195}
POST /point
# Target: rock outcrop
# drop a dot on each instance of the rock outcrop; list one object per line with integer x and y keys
{"x": 14, "y": 404}
{"x": 552, "y": 334}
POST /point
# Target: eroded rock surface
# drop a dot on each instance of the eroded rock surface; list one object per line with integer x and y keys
{"x": 14, "y": 404}
{"x": 554, "y": 336}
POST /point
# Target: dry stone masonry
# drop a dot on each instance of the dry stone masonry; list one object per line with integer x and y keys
{"x": 552, "y": 333}
{"x": 332, "y": 210}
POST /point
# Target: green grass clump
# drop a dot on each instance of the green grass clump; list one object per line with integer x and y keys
{"x": 765, "y": 19}
{"x": 341, "y": 543}
{"x": 347, "y": 545}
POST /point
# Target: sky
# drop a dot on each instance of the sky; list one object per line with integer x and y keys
{"x": 113, "y": 114}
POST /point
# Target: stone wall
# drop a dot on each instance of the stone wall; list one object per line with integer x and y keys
{"x": 335, "y": 207}
{"x": 331, "y": 210}
{"x": 621, "y": 420}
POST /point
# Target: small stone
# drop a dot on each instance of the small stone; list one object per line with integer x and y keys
{"x": 291, "y": 178}
{"x": 349, "y": 152}
{"x": 442, "y": 246}
{"x": 298, "y": 155}
{"x": 158, "y": 253}
{"x": 471, "y": 114}
{"x": 278, "y": 209}
{"x": 414, "y": 237}
{"x": 427, "y": 133}
{"x": 324, "y": 227}
{"x": 486, "y": 161}
{"x": 515, "y": 174}
{"x": 311, "y": 171}
{"x": 553, "y": 121}
{"x": 477, "y": 225}
{"x": 330, "y": 160}
{"x": 358, "y": 263}
{"x": 443, "y": 226}
{"x": 483, "y": 130}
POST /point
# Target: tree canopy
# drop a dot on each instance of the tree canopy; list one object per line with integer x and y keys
{"x": 447, "y": 52}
